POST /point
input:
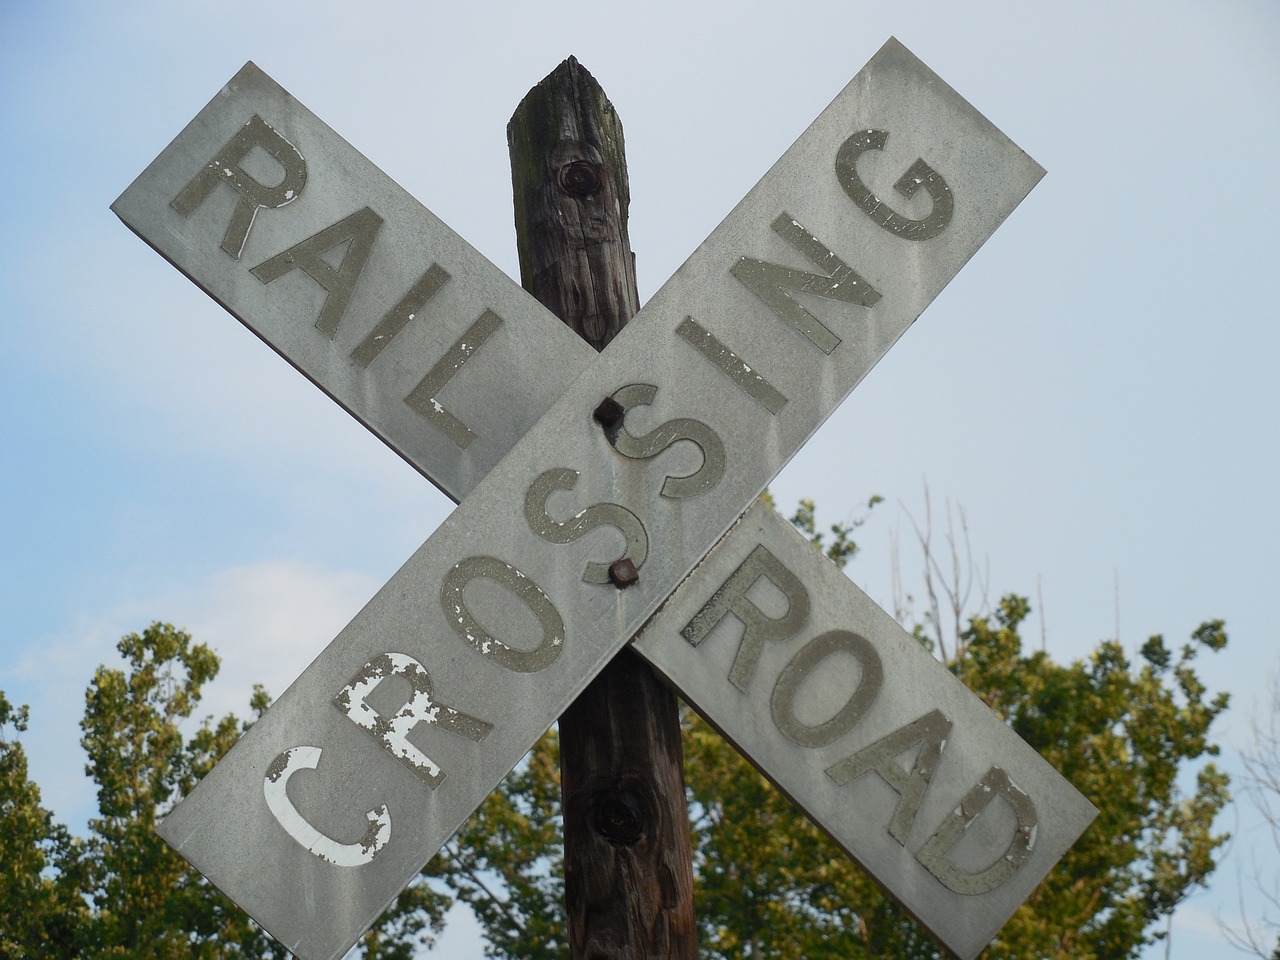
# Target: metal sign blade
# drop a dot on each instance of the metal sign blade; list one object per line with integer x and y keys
{"x": 402, "y": 726}
{"x": 356, "y": 284}
{"x": 870, "y": 735}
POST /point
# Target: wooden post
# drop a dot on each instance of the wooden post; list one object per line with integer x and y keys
{"x": 628, "y": 867}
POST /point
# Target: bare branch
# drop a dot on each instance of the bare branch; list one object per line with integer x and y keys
{"x": 1260, "y": 785}
{"x": 454, "y": 852}
{"x": 949, "y": 590}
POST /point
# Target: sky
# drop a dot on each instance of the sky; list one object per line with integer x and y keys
{"x": 1095, "y": 391}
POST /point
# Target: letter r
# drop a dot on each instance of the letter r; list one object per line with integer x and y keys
{"x": 225, "y": 168}
{"x": 758, "y": 627}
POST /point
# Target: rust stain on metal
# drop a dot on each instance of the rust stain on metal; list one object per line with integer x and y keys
{"x": 609, "y": 413}
{"x": 623, "y": 573}
{"x": 278, "y": 766}
{"x": 370, "y": 839}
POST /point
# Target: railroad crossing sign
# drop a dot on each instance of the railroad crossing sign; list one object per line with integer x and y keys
{"x": 372, "y": 759}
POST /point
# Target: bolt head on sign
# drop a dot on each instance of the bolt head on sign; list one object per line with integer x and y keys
{"x": 397, "y": 731}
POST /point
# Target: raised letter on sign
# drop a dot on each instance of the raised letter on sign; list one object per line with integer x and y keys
{"x": 274, "y": 788}
{"x": 225, "y": 168}
{"x": 422, "y": 707}
{"x": 395, "y": 319}
{"x": 468, "y": 627}
{"x": 359, "y": 230}
{"x": 933, "y": 854}
{"x": 770, "y": 282}
{"x": 732, "y": 598}
{"x": 806, "y": 660}
{"x": 661, "y": 437}
{"x": 883, "y": 757}
{"x": 920, "y": 174}
{"x": 583, "y": 522}
{"x": 731, "y": 365}
{"x": 424, "y": 398}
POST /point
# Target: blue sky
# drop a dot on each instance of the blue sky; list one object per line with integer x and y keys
{"x": 1096, "y": 388}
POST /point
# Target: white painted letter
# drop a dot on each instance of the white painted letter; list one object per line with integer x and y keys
{"x": 422, "y": 707}
{"x": 274, "y": 786}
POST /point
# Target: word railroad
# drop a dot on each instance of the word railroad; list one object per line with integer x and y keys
{"x": 590, "y": 487}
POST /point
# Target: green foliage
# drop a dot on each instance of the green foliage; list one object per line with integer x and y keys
{"x": 146, "y": 901}
{"x": 1121, "y": 735}
{"x": 768, "y": 883}
{"x": 37, "y": 912}
{"x": 507, "y": 863}
{"x": 121, "y": 892}
{"x": 841, "y": 548}
{"x": 1128, "y": 735}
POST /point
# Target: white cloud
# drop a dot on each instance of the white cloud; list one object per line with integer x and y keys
{"x": 266, "y": 620}
{"x": 1195, "y": 920}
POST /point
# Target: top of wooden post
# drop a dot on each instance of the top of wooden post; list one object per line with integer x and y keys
{"x": 569, "y": 180}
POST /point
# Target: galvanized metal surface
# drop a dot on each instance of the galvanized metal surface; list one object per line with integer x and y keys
{"x": 870, "y": 735}
{"x": 408, "y": 326}
{"x": 493, "y": 626}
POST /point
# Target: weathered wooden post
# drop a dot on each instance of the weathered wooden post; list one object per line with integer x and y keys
{"x": 628, "y": 867}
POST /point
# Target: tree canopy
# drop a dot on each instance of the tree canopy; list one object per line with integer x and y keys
{"x": 1133, "y": 735}
{"x": 768, "y": 883}
{"x": 37, "y": 909}
{"x": 120, "y": 892}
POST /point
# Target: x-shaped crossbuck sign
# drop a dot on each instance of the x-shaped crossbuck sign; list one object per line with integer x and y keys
{"x": 567, "y": 464}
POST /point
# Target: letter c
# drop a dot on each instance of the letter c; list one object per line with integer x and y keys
{"x": 296, "y": 825}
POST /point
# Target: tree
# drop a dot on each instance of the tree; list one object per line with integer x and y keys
{"x": 1122, "y": 733}
{"x": 121, "y": 892}
{"x": 768, "y": 883}
{"x": 146, "y": 901}
{"x": 37, "y": 911}
{"x": 507, "y": 863}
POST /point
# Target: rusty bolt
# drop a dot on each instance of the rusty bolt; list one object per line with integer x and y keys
{"x": 610, "y": 413}
{"x": 579, "y": 178}
{"x": 623, "y": 573}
